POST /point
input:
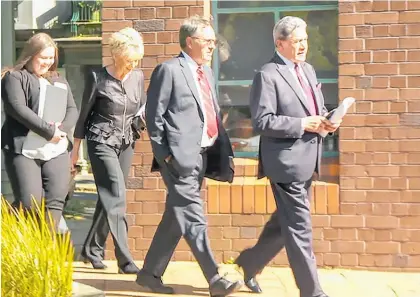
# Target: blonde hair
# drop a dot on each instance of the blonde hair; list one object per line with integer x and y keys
{"x": 33, "y": 47}
{"x": 127, "y": 42}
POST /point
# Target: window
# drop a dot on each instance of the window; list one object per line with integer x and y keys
{"x": 244, "y": 30}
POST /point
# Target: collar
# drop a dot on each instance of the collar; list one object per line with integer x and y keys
{"x": 190, "y": 61}
{"x": 288, "y": 62}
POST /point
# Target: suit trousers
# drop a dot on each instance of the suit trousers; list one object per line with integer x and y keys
{"x": 290, "y": 226}
{"x": 110, "y": 168}
{"x": 36, "y": 178}
{"x": 183, "y": 216}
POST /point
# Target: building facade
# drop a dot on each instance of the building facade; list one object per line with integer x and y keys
{"x": 366, "y": 210}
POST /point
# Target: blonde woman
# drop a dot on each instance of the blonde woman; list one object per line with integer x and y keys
{"x": 37, "y": 151}
{"x": 111, "y": 99}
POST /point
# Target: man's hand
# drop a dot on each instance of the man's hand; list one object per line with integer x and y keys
{"x": 330, "y": 127}
{"x": 313, "y": 123}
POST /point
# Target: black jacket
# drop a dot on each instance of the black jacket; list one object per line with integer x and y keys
{"x": 20, "y": 95}
{"x": 109, "y": 106}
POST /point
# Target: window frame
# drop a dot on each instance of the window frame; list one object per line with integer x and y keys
{"x": 277, "y": 11}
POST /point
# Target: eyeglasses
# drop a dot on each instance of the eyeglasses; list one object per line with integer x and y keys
{"x": 208, "y": 41}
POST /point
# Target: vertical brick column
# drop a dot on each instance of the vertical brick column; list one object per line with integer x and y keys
{"x": 159, "y": 23}
{"x": 379, "y": 58}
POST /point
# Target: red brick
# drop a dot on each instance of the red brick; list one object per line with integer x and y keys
{"x": 382, "y": 247}
{"x": 147, "y": 13}
{"x": 247, "y": 220}
{"x": 413, "y": 29}
{"x": 397, "y": 30}
{"x": 117, "y": 3}
{"x": 398, "y": 81}
{"x": 409, "y": 42}
{"x": 133, "y": 13}
{"x": 381, "y": 56}
{"x": 382, "y": 18}
{"x": 380, "y": 5}
{"x": 196, "y": 10}
{"x": 409, "y": 94}
{"x": 413, "y": 5}
{"x": 363, "y": 57}
{"x": 364, "y": 107}
{"x": 163, "y": 12}
{"x": 365, "y": 5}
{"x": 385, "y": 69}
{"x": 150, "y": 3}
{"x": 112, "y": 26}
{"x": 380, "y": 30}
{"x": 351, "y": 19}
{"x": 347, "y": 221}
{"x": 398, "y": 5}
{"x": 173, "y": 25}
{"x": 409, "y": 17}
{"x": 180, "y": 12}
{"x": 352, "y": 70}
{"x": 382, "y": 120}
{"x": 410, "y": 68}
{"x": 413, "y": 55}
{"x": 346, "y": 57}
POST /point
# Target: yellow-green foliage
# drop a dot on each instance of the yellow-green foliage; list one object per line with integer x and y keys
{"x": 35, "y": 261}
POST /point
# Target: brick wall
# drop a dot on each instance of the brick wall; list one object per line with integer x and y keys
{"x": 379, "y": 60}
{"x": 375, "y": 223}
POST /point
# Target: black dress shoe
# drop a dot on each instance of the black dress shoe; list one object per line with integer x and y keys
{"x": 129, "y": 268}
{"x": 98, "y": 265}
{"x": 250, "y": 282}
{"x": 153, "y": 283}
{"x": 222, "y": 287}
{"x": 253, "y": 285}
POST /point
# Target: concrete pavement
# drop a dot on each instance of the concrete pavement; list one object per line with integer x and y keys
{"x": 188, "y": 281}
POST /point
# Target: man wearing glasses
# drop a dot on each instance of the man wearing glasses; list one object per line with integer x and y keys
{"x": 287, "y": 108}
{"x": 188, "y": 142}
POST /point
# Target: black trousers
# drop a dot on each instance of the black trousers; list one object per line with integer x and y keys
{"x": 110, "y": 168}
{"x": 183, "y": 217}
{"x": 33, "y": 179}
{"x": 290, "y": 226}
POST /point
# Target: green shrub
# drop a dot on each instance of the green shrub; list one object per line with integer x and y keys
{"x": 35, "y": 261}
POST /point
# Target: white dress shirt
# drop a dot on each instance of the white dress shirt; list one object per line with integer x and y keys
{"x": 291, "y": 66}
{"x": 206, "y": 141}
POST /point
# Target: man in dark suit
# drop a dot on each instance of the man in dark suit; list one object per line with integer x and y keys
{"x": 287, "y": 110}
{"x": 188, "y": 142}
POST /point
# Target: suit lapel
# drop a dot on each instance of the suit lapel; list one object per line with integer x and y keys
{"x": 312, "y": 82}
{"x": 288, "y": 77}
{"x": 189, "y": 78}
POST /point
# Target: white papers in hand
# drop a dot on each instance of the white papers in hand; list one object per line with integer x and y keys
{"x": 339, "y": 113}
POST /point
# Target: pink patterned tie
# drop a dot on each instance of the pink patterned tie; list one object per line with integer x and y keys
{"x": 313, "y": 108}
{"x": 212, "y": 129}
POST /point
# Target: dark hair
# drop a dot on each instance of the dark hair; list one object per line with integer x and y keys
{"x": 33, "y": 47}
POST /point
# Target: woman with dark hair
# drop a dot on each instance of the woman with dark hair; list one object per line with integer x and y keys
{"x": 36, "y": 151}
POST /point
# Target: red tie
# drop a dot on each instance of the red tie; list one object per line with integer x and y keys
{"x": 313, "y": 108}
{"x": 212, "y": 129}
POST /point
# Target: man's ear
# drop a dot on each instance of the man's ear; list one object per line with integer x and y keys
{"x": 188, "y": 42}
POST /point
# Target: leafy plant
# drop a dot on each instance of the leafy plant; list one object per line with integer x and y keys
{"x": 36, "y": 262}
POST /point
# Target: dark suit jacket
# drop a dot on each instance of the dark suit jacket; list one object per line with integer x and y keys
{"x": 20, "y": 96}
{"x": 175, "y": 122}
{"x": 287, "y": 153}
